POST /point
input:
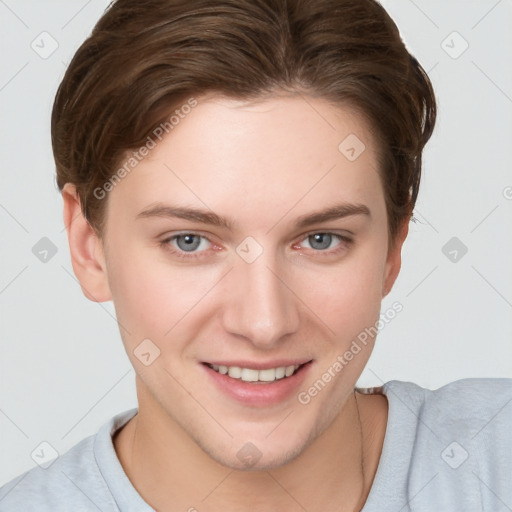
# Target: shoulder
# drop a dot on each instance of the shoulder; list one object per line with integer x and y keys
{"x": 462, "y": 448}
{"x": 468, "y": 408}
{"x": 476, "y": 411}
{"x": 472, "y": 394}
{"x": 71, "y": 482}
{"x": 470, "y": 399}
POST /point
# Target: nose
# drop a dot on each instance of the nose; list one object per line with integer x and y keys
{"x": 259, "y": 304}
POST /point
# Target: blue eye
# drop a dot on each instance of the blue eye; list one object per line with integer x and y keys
{"x": 321, "y": 241}
{"x": 190, "y": 242}
{"x": 185, "y": 243}
{"x": 192, "y": 245}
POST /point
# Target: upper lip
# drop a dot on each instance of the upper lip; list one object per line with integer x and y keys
{"x": 260, "y": 365}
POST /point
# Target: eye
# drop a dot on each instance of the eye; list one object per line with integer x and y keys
{"x": 185, "y": 245}
{"x": 322, "y": 241}
{"x": 192, "y": 245}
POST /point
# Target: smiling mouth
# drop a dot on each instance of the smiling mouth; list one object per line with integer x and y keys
{"x": 268, "y": 375}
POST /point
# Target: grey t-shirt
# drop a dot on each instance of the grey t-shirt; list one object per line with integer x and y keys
{"x": 448, "y": 449}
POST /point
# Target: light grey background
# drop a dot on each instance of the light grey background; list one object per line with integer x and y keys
{"x": 63, "y": 368}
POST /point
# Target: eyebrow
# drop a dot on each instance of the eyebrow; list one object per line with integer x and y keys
{"x": 337, "y": 211}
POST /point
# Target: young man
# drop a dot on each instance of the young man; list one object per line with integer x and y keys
{"x": 238, "y": 178}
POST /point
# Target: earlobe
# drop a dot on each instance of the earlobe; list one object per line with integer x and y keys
{"x": 86, "y": 249}
{"x": 394, "y": 259}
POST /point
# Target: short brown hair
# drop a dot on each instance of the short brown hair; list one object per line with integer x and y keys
{"x": 144, "y": 57}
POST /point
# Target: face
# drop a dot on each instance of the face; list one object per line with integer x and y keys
{"x": 258, "y": 280}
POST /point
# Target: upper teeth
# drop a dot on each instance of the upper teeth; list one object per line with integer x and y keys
{"x": 251, "y": 375}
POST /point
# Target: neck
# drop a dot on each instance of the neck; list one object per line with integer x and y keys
{"x": 171, "y": 472}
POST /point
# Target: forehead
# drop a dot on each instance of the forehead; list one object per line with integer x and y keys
{"x": 308, "y": 126}
{"x": 270, "y": 154}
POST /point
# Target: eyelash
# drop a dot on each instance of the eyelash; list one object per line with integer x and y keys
{"x": 345, "y": 241}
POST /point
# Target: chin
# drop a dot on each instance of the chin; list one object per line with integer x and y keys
{"x": 253, "y": 459}
{"x": 261, "y": 454}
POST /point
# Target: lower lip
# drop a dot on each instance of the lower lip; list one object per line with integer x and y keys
{"x": 257, "y": 393}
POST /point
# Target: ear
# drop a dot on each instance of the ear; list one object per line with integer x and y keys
{"x": 394, "y": 258}
{"x": 87, "y": 256}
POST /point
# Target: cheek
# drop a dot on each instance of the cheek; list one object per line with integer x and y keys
{"x": 348, "y": 297}
{"x": 141, "y": 291}
{"x": 151, "y": 296}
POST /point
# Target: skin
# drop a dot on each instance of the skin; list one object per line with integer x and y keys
{"x": 262, "y": 165}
